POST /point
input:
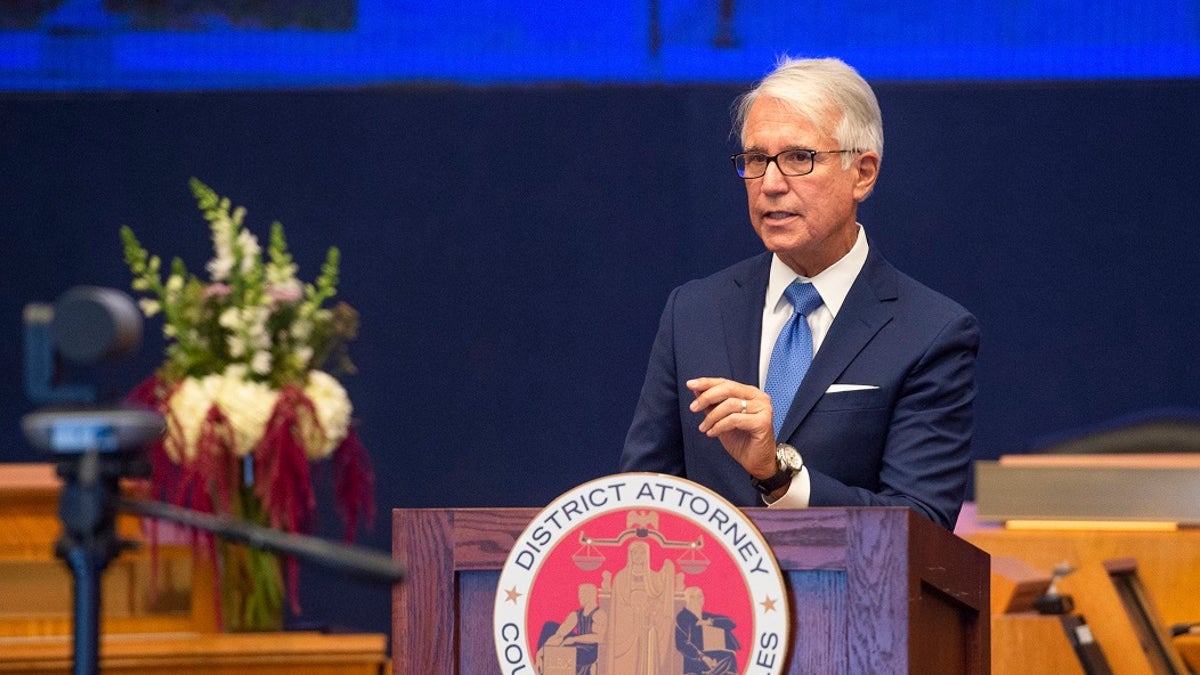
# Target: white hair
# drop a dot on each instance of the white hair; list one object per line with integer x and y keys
{"x": 820, "y": 89}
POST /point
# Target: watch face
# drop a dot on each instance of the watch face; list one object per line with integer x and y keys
{"x": 788, "y": 457}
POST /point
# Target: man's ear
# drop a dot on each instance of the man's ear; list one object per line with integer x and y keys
{"x": 866, "y": 166}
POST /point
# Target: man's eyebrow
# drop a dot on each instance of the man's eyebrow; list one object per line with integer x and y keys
{"x": 759, "y": 151}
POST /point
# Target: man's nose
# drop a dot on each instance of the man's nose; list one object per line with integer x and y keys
{"x": 774, "y": 180}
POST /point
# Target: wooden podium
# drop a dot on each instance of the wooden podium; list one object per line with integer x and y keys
{"x": 873, "y": 590}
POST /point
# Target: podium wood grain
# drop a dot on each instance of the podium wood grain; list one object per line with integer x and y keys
{"x": 873, "y": 590}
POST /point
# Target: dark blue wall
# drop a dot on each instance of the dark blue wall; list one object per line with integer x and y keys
{"x": 510, "y": 249}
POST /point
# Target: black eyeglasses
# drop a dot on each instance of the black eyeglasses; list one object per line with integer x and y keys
{"x": 789, "y": 162}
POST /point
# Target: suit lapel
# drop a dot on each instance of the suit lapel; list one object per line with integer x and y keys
{"x": 741, "y": 312}
{"x": 867, "y": 308}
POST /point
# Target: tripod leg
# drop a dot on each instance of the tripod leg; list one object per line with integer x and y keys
{"x": 86, "y": 570}
{"x": 87, "y": 509}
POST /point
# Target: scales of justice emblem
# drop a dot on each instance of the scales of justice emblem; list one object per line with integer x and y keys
{"x": 641, "y": 574}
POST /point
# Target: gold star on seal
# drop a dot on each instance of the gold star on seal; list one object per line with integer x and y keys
{"x": 512, "y": 595}
{"x": 768, "y": 604}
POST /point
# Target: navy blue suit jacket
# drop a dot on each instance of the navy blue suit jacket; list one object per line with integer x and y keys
{"x": 905, "y": 443}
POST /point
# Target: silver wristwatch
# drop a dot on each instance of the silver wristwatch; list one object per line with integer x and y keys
{"x": 787, "y": 462}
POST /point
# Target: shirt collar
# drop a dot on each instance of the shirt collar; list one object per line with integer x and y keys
{"x": 833, "y": 283}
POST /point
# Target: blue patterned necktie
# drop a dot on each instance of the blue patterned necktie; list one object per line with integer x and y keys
{"x": 793, "y": 352}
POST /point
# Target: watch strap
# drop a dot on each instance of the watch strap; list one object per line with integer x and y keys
{"x": 768, "y": 485}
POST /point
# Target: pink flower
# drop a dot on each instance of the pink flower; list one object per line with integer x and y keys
{"x": 284, "y": 292}
{"x": 217, "y": 291}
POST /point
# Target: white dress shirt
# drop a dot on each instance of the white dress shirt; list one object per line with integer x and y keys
{"x": 833, "y": 284}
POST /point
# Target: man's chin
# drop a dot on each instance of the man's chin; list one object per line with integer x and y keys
{"x": 780, "y": 242}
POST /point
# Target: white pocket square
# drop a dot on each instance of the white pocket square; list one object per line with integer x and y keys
{"x": 836, "y": 388}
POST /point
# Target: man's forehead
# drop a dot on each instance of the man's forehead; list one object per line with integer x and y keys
{"x": 784, "y": 125}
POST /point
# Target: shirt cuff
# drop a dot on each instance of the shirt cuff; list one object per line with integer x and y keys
{"x": 796, "y": 496}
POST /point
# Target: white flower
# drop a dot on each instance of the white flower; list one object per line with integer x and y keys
{"x": 222, "y": 260}
{"x": 149, "y": 307}
{"x": 248, "y": 243}
{"x": 333, "y": 410}
{"x": 254, "y": 319}
{"x": 219, "y": 267}
{"x": 247, "y": 406}
{"x": 302, "y": 329}
{"x": 236, "y": 345}
{"x": 236, "y": 371}
{"x": 222, "y": 238}
{"x": 302, "y": 356}
{"x": 187, "y": 408}
{"x": 261, "y": 362}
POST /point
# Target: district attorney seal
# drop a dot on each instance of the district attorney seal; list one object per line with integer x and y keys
{"x": 640, "y": 573}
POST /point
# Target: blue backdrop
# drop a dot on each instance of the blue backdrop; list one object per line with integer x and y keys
{"x": 64, "y": 45}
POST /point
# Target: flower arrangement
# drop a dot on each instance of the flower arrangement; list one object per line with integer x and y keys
{"x": 245, "y": 397}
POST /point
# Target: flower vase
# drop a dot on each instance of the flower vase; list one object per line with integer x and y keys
{"x": 250, "y": 580}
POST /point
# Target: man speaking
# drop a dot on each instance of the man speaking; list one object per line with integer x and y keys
{"x": 813, "y": 374}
